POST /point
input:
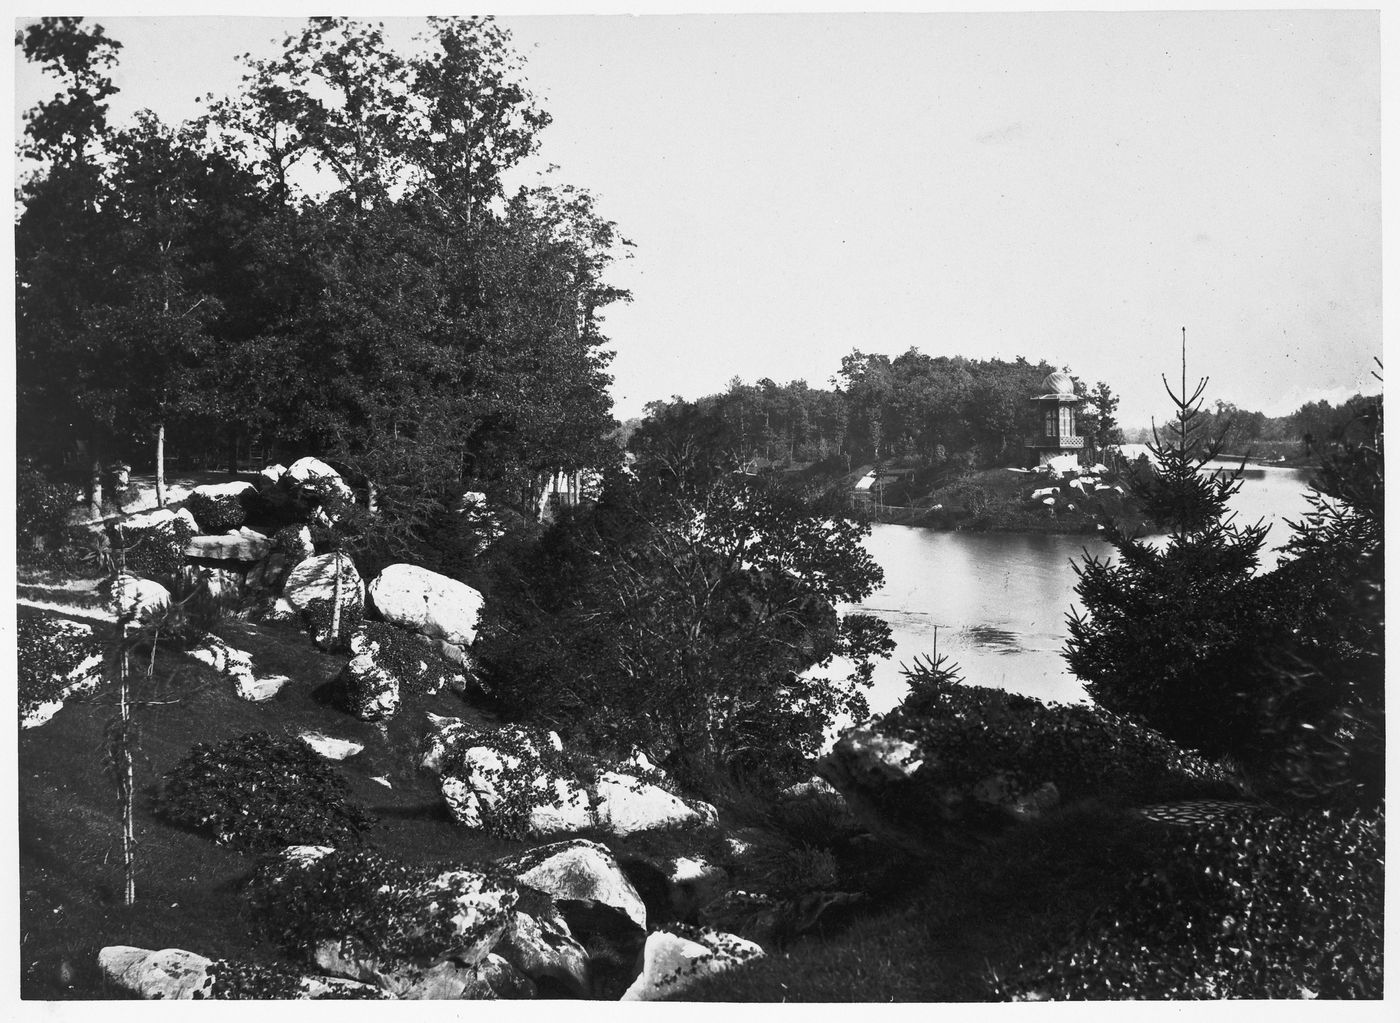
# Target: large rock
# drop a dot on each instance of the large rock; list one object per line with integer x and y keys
{"x": 541, "y": 946}
{"x": 236, "y": 665}
{"x": 156, "y": 517}
{"x": 435, "y": 949}
{"x": 241, "y": 544}
{"x": 314, "y": 474}
{"x": 626, "y": 805}
{"x": 579, "y": 874}
{"x": 428, "y": 603}
{"x": 671, "y": 962}
{"x": 367, "y": 690}
{"x": 221, "y": 491}
{"x": 483, "y": 781}
{"x": 314, "y": 580}
{"x": 135, "y": 598}
{"x": 330, "y": 747}
{"x": 173, "y": 973}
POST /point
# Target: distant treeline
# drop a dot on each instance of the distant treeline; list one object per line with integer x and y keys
{"x": 1302, "y": 433}
{"x": 917, "y": 408}
{"x": 935, "y": 411}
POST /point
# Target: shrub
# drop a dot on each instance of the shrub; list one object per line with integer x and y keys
{"x": 255, "y": 793}
{"x": 217, "y": 514}
{"x": 968, "y": 733}
{"x": 1283, "y": 907}
{"x": 317, "y": 614}
{"x": 408, "y": 658}
{"x": 530, "y": 767}
{"x": 157, "y": 551}
{"x": 373, "y": 906}
{"x": 42, "y": 506}
{"x": 236, "y": 980}
{"x": 47, "y": 650}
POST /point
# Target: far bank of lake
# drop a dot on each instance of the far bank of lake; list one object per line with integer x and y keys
{"x": 998, "y": 600}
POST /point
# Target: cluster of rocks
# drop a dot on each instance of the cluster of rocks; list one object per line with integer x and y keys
{"x": 560, "y": 920}
{"x": 1070, "y": 483}
{"x": 482, "y": 771}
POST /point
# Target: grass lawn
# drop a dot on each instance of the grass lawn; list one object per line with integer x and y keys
{"x": 187, "y": 887}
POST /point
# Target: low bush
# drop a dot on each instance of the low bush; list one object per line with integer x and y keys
{"x": 408, "y": 658}
{"x": 969, "y": 733}
{"x": 1278, "y": 907}
{"x": 317, "y": 614}
{"x": 530, "y": 767}
{"x": 372, "y": 905}
{"x": 42, "y": 506}
{"x": 217, "y": 514}
{"x": 256, "y": 793}
{"x": 47, "y": 650}
{"x": 156, "y": 552}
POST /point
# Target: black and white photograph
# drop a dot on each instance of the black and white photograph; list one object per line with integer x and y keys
{"x": 675, "y": 506}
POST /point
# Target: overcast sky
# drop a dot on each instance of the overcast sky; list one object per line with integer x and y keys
{"x": 1073, "y": 187}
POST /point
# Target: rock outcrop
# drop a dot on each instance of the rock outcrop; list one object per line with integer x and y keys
{"x": 173, "y": 973}
{"x": 673, "y": 962}
{"x": 427, "y": 603}
{"x": 579, "y": 875}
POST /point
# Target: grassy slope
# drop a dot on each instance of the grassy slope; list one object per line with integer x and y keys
{"x": 958, "y": 926}
{"x": 69, "y": 830}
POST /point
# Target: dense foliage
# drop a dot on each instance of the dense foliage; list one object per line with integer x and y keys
{"x": 1270, "y": 907}
{"x": 42, "y": 506}
{"x": 256, "y": 793}
{"x": 415, "y": 320}
{"x": 410, "y": 659}
{"x": 1281, "y": 670}
{"x": 373, "y": 906}
{"x": 216, "y": 514}
{"x": 680, "y": 617}
{"x": 945, "y": 413}
{"x": 524, "y": 774}
{"x": 154, "y": 552}
{"x": 967, "y": 734}
{"x": 47, "y": 650}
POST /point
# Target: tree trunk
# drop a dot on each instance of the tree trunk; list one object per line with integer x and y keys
{"x": 335, "y": 607}
{"x": 94, "y": 483}
{"x": 160, "y": 465}
{"x": 126, "y": 784}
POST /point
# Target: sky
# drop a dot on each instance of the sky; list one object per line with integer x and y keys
{"x": 1074, "y": 187}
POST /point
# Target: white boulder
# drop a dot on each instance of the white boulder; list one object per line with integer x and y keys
{"x": 241, "y": 544}
{"x": 133, "y": 597}
{"x": 317, "y": 474}
{"x": 428, "y": 603}
{"x": 671, "y": 963}
{"x": 330, "y": 747}
{"x": 220, "y": 491}
{"x": 624, "y": 805}
{"x": 541, "y": 947}
{"x": 367, "y": 690}
{"x": 174, "y": 974}
{"x": 147, "y": 519}
{"x": 580, "y": 872}
{"x": 314, "y": 579}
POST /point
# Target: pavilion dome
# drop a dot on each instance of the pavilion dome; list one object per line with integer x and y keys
{"x": 1059, "y": 383}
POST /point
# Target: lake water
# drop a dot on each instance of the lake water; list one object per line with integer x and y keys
{"x": 998, "y": 600}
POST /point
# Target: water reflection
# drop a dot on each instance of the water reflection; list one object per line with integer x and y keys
{"x": 998, "y": 601}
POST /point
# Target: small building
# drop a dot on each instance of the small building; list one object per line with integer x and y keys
{"x": 1058, "y": 434}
